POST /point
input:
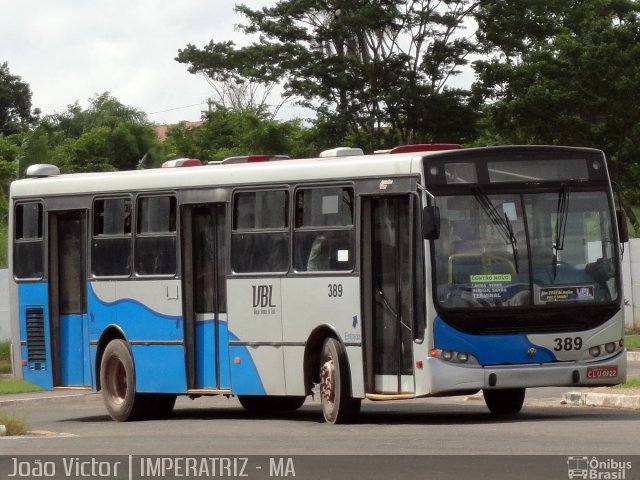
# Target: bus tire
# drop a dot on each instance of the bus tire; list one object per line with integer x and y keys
{"x": 274, "y": 403}
{"x": 335, "y": 384}
{"x": 504, "y": 402}
{"x": 118, "y": 381}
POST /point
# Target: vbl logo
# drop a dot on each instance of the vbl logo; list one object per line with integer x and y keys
{"x": 262, "y": 296}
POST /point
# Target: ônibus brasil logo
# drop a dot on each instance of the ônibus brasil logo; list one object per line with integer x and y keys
{"x": 594, "y": 468}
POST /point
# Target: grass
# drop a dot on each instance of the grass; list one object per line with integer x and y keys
{"x": 16, "y": 385}
{"x": 5, "y": 357}
{"x": 15, "y": 424}
{"x": 632, "y": 342}
{"x": 632, "y": 382}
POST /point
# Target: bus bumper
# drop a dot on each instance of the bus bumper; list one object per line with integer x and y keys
{"x": 451, "y": 377}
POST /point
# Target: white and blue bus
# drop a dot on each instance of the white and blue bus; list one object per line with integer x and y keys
{"x": 388, "y": 276}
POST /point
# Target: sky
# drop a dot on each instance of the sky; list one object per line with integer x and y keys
{"x": 73, "y": 50}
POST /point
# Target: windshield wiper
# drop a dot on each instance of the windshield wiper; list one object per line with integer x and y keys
{"x": 562, "y": 213}
{"x": 502, "y": 222}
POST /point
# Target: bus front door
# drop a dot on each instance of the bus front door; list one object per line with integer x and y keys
{"x": 67, "y": 293}
{"x": 387, "y": 273}
{"x": 205, "y": 304}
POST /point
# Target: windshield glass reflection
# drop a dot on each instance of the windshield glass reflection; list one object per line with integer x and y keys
{"x": 524, "y": 249}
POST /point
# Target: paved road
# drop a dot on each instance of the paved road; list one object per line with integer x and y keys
{"x": 438, "y": 426}
{"x": 424, "y": 426}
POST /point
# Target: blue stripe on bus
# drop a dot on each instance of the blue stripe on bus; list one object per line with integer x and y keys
{"x": 489, "y": 349}
{"x": 35, "y": 295}
{"x": 74, "y": 354}
{"x": 137, "y": 321}
{"x": 159, "y": 368}
{"x": 245, "y": 379}
{"x": 205, "y": 351}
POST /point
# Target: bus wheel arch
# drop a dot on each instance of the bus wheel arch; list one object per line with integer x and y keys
{"x": 312, "y": 352}
{"x": 111, "y": 333}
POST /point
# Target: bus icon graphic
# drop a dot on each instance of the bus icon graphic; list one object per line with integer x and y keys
{"x": 578, "y": 467}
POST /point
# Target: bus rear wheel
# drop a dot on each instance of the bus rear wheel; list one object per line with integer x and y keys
{"x": 117, "y": 378}
{"x": 335, "y": 384}
{"x": 504, "y": 402}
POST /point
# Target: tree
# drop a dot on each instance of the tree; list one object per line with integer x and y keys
{"x": 564, "y": 72}
{"x": 244, "y": 96}
{"x": 225, "y": 133}
{"x": 366, "y": 66}
{"x": 106, "y": 136}
{"x": 15, "y": 103}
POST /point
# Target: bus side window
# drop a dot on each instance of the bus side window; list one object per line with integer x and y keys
{"x": 28, "y": 254}
{"x": 111, "y": 242}
{"x": 324, "y": 230}
{"x": 156, "y": 241}
{"x": 260, "y": 236}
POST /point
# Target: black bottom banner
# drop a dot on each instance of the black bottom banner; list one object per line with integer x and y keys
{"x": 494, "y": 467}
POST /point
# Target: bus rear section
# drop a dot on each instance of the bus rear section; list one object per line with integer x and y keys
{"x": 526, "y": 273}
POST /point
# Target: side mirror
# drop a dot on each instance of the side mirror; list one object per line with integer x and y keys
{"x": 623, "y": 231}
{"x": 431, "y": 222}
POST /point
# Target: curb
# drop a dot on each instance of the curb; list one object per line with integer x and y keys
{"x": 595, "y": 399}
{"x": 633, "y": 356}
{"x": 80, "y": 397}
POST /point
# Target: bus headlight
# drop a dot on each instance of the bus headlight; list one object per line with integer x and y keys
{"x": 453, "y": 356}
{"x": 462, "y": 357}
{"x": 608, "y": 348}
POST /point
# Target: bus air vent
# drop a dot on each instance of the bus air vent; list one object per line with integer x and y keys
{"x": 42, "y": 170}
{"x": 36, "y": 350}
{"x": 341, "y": 152}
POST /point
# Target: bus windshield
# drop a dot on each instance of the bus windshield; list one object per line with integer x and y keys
{"x": 524, "y": 249}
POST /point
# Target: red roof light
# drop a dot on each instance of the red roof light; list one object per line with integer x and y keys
{"x": 182, "y": 162}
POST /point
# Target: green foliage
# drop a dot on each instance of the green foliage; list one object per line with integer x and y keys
{"x": 16, "y": 385}
{"x": 224, "y": 133}
{"x": 106, "y": 136}
{"x": 5, "y": 356}
{"x": 632, "y": 342}
{"x": 632, "y": 382}
{"x": 564, "y": 72}
{"x": 366, "y": 66}
{"x": 15, "y": 102}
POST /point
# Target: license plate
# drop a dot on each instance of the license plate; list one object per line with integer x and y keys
{"x": 601, "y": 372}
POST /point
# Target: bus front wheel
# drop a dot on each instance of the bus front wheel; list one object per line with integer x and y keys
{"x": 504, "y": 402}
{"x": 117, "y": 379}
{"x": 335, "y": 384}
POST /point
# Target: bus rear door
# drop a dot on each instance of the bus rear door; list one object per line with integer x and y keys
{"x": 205, "y": 305}
{"x": 67, "y": 293}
